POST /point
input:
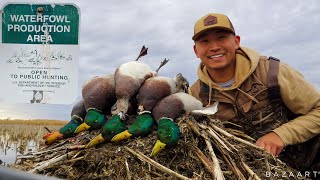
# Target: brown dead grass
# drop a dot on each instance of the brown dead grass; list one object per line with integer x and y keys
{"x": 20, "y": 132}
{"x": 34, "y": 122}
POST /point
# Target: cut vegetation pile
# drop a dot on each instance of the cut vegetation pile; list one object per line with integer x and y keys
{"x": 205, "y": 151}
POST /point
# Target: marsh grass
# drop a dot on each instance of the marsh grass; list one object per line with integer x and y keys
{"x": 33, "y": 122}
{"x": 21, "y": 136}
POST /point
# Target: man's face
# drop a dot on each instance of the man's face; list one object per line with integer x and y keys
{"x": 217, "y": 50}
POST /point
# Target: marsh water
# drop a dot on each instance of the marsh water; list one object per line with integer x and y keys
{"x": 10, "y": 150}
{"x": 19, "y": 139}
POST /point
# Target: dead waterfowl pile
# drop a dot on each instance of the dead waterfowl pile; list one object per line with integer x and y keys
{"x": 205, "y": 151}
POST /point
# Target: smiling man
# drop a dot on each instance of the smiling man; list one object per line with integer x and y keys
{"x": 272, "y": 102}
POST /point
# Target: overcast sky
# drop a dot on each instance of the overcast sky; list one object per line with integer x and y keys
{"x": 112, "y": 33}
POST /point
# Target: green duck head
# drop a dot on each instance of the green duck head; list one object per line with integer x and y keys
{"x": 68, "y": 129}
{"x": 142, "y": 126}
{"x": 65, "y": 132}
{"x": 115, "y": 125}
{"x": 94, "y": 120}
{"x": 168, "y": 134}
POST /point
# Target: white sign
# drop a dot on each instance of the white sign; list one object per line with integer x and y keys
{"x": 39, "y": 66}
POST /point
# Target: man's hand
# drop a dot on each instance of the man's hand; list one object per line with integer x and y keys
{"x": 271, "y": 142}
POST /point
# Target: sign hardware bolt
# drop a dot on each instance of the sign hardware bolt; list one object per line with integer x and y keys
{"x": 40, "y": 10}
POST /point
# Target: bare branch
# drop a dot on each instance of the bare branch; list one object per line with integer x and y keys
{"x": 218, "y": 174}
{"x": 155, "y": 164}
{"x": 51, "y": 161}
{"x": 225, "y": 133}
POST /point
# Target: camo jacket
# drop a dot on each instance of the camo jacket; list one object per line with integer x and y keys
{"x": 294, "y": 115}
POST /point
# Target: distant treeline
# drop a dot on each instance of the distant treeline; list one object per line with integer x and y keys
{"x": 33, "y": 122}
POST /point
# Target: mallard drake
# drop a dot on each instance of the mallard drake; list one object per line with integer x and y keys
{"x": 156, "y": 88}
{"x": 165, "y": 112}
{"x": 77, "y": 115}
{"x": 142, "y": 126}
{"x": 151, "y": 92}
{"x": 99, "y": 96}
{"x": 129, "y": 77}
{"x": 115, "y": 125}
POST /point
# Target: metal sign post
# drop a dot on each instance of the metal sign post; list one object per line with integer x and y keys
{"x": 39, "y": 53}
